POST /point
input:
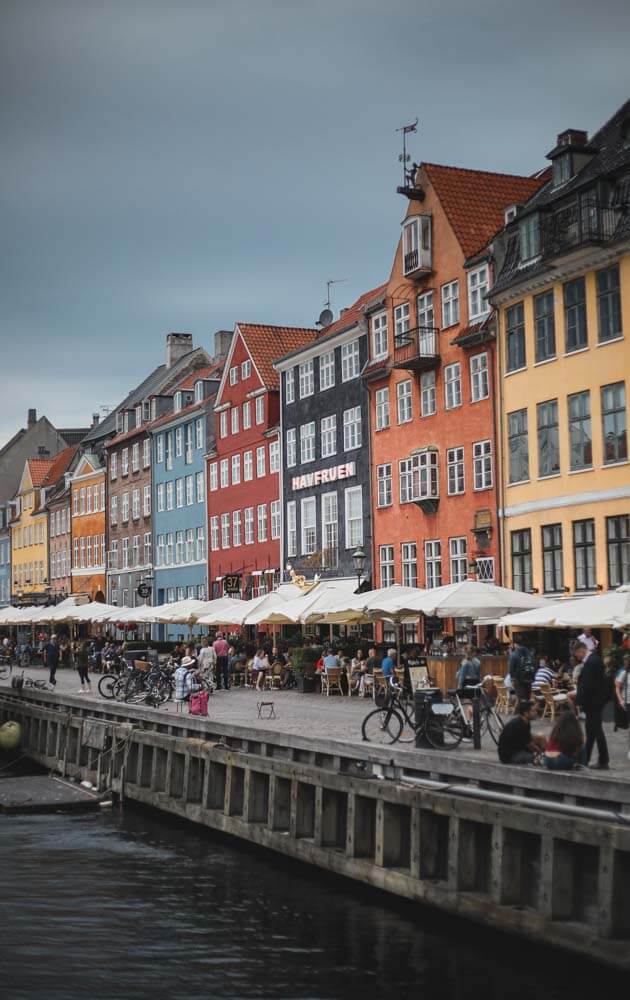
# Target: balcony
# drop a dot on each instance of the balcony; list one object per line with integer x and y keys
{"x": 580, "y": 224}
{"x": 417, "y": 263}
{"x": 417, "y": 349}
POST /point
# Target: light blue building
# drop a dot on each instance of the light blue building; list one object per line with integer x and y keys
{"x": 180, "y": 441}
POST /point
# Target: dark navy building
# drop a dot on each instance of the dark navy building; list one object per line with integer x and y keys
{"x": 324, "y": 430}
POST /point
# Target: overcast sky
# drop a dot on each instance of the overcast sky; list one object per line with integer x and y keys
{"x": 183, "y": 164}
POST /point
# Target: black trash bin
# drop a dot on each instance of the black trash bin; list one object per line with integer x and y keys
{"x": 423, "y": 698}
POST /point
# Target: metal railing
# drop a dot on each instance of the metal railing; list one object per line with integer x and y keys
{"x": 418, "y": 344}
{"x": 417, "y": 260}
{"x": 575, "y": 225}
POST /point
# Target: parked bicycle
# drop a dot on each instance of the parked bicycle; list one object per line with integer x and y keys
{"x": 489, "y": 719}
{"x": 19, "y": 682}
{"x": 441, "y": 726}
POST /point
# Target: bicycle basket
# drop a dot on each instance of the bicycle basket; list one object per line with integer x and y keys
{"x": 443, "y": 708}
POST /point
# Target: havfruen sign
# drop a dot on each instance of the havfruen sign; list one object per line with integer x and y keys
{"x": 331, "y": 475}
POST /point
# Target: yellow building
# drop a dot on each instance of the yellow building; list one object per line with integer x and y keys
{"x": 29, "y": 535}
{"x": 563, "y": 298}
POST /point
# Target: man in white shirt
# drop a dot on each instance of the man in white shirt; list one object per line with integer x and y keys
{"x": 588, "y": 639}
{"x": 207, "y": 658}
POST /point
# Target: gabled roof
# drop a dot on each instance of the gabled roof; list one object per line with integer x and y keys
{"x": 265, "y": 344}
{"x": 474, "y": 201}
{"x": 59, "y": 465}
{"x": 349, "y": 318}
{"x": 209, "y": 372}
{"x": 38, "y": 470}
{"x": 172, "y": 417}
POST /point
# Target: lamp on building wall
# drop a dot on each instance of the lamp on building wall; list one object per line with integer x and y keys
{"x": 358, "y": 559}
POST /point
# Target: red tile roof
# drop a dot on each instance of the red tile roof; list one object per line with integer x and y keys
{"x": 210, "y": 371}
{"x": 268, "y": 343}
{"x": 60, "y": 464}
{"x": 475, "y": 200}
{"x": 39, "y": 469}
{"x": 354, "y": 313}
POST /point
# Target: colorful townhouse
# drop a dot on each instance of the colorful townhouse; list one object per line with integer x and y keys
{"x": 180, "y": 440}
{"x": 325, "y": 430}
{"x": 5, "y": 555}
{"x": 29, "y": 535}
{"x": 59, "y": 508}
{"x": 87, "y": 502}
{"x": 562, "y": 293}
{"x": 243, "y": 465}
{"x": 430, "y": 376}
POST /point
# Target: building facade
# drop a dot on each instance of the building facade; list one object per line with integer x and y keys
{"x": 60, "y": 540}
{"x": 129, "y": 501}
{"x": 563, "y": 296}
{"x": 180, "y": 440}
{"x": 430, "y": 379}
{"x": 5, "y": 555}
{"x": 243, "y": 468}
{"x": 326, "y": 495}
{"x": 87, "y": 493}
{"x": 29, "y": 535}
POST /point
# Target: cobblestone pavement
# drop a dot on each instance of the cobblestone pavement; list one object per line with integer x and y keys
{"x": 333, "y": 718}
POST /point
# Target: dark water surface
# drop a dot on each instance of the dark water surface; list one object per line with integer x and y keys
{"x": 136, "y": 906}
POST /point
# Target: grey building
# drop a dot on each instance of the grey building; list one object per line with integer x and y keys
{"x": 325, "y": 482}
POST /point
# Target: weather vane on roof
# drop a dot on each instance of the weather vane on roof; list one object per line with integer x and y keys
{"x": 409, "y": 173}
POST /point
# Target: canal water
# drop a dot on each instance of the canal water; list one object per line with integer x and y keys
{"x": 125, "y": 906}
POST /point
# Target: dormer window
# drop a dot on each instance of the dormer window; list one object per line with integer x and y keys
{"x": 119, "y": 423}
{"x": 529, "y": 230}
{"x": 177, "y": 402}
{"x": 417, "y": 244}
{"x": 478, "y": 284}
{"x": 561, "y": 169}
{"x": 126, "y": 421}
{"x": 199, "y": 391}
{"x": 138, "y": 415}
{"x": 146, "y": 410}
{"x": 154, "y": 409}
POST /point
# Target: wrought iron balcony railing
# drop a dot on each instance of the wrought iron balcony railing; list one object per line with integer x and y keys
{"x": 417, "y": 349}
{"x": 579, "y": 224}
{"x": 417, "y": 261}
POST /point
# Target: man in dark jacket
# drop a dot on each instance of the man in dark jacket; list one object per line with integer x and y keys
{"x": 592, "y": 695}
{"x": 519, "y": 669}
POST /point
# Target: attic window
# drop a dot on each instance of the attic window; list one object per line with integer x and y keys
{"x": 177, "y": 402}
{"x": 198, "y": 391}
{"x": 138, "y": 415}
{"x": 561, "y": 169}
{"x": 529, "y": 230}
{"x": 146, "y": 410}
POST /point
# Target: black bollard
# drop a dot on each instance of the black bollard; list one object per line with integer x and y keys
{"x": 476, "y": 722}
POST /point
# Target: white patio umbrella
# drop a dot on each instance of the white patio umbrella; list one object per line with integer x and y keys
{"x": 357, "y": 608}
{"x": 12, "y": 616}
{"x": 144, "y": 614}
{"x": 597, "y": 611}
{"x": 223, "y": 611}
{"x": 468, "y": 599}
{"x": 260, "y": 608}
{"x": 296, "y": 610}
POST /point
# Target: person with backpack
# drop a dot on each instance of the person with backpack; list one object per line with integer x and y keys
{"x": 593, "y": 692}
{"x": 521, "y": 671}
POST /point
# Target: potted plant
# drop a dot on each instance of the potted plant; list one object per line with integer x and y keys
{"x": 303, "y": 661}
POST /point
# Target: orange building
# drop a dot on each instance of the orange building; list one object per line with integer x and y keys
{"x": 430, "y": 376}
{"x": 87, "y": 488}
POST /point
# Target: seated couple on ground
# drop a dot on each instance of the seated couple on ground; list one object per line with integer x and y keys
{"x": 562, "y": 751}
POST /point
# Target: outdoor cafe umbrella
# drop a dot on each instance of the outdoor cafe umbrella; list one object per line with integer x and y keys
{"x": 468, "y": 599}
{"x": 597, "y": 611}
{"x": 223, "y": 611}
{"x": 358, "y": 608}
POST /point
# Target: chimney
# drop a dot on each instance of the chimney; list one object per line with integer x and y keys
{"x": 177, "y": 346}
{"x": 32, "y": 418}
{"x": 222, "y": 341}
{"x": 95, "y": 419}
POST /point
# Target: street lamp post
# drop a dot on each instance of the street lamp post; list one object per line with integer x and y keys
{"x": 358, "y": 559}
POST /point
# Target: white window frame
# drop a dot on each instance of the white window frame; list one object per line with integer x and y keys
{"x": 289, "y": 386}
{"x": 261, "y": 519}
{"x": 235, "y": 415}
{"x": 428, "y": 394}
{"x": 350, "y": 361}
{"x": 453, "y": 386}
{"x": 170, "y": 495}
{"x": 309, "y": 546}
{"x": 214, "y": 532}
{"x": 223, "y": 424}
{"x": 248, "y": 466}
{"x": 326, "y": 370}
{"x": 384, "y": 485}
{"x": 450, "y": 304}
{"x": 306, "y": 379}
{"x": 190, "y": 491}
{"x": 291, "y": 448}
{"x": 386, "y": 565}
{"x": 246, "y": 369}
{"x": 179, "y": 442}
{"x": 234, "y": 375}
{"x": 307, "y": 442}
{"x": 260, "y": 409}
{"x": 404, "y": 401}
{"x": 236, "y": 529}
{"x": 353, "y": 526}
{"x": 275, "y": 519}
{"x": 479, "y": 377}
{"x": 382, "y": 408}
{"x": 379, "y": 335}
{"x": 274, "y": 456}
{"x": 292, "y": 528}
{"x": 214, "y": 476}
{"x": 225, "y": 530}
{"x": 409, "y": 563}
{"x": 247, "y": 415}
{"x": 236, "y": 469}
{"x": 458, "y": 558}
{"x": 261, "y": 462}
{"x": 455, "y": 471}
{"x": 224, "y": 473}
{"x": 478, "y": 280}
{"x": 482, "y": 465}
{"x": 146, "y": 503}
{"x": 425, "y": 310}
{"x": 249, "y": 525}
{"x": 352, "y": 428}
{"x": 433, "y": 563}
{"x": 328, "y": 435}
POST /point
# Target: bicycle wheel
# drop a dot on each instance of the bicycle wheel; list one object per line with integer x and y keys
{"x": 383, "y": 725}
{"x": 119, "y": 688}
{"x": 408, "y": 731}
{"x": 444, "y": 732}
{"x": 494, "y": 724}
{"x": 5, "y": 671}
{"x": 106, "y": 685}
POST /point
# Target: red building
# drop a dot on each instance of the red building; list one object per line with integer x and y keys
{"x": 431, "y": 381}
{"x": 243, "y": 487}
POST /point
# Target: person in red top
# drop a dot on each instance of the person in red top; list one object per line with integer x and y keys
{"x": 564, "y": 749}
{"x": 221, "y": 650}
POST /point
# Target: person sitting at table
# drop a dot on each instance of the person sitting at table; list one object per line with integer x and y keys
{"x": 564, "y": 748}
{"x": 517, "y": 743}
{"x": 330, "y": 660}
{"x": 358, "y": 667}
{"x": 259, "y": 668}
{"x": 545, "y": 675}
{"x": 388, "y": 666}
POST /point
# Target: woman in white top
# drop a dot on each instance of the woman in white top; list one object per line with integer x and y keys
{"x": 259, "y": 667}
